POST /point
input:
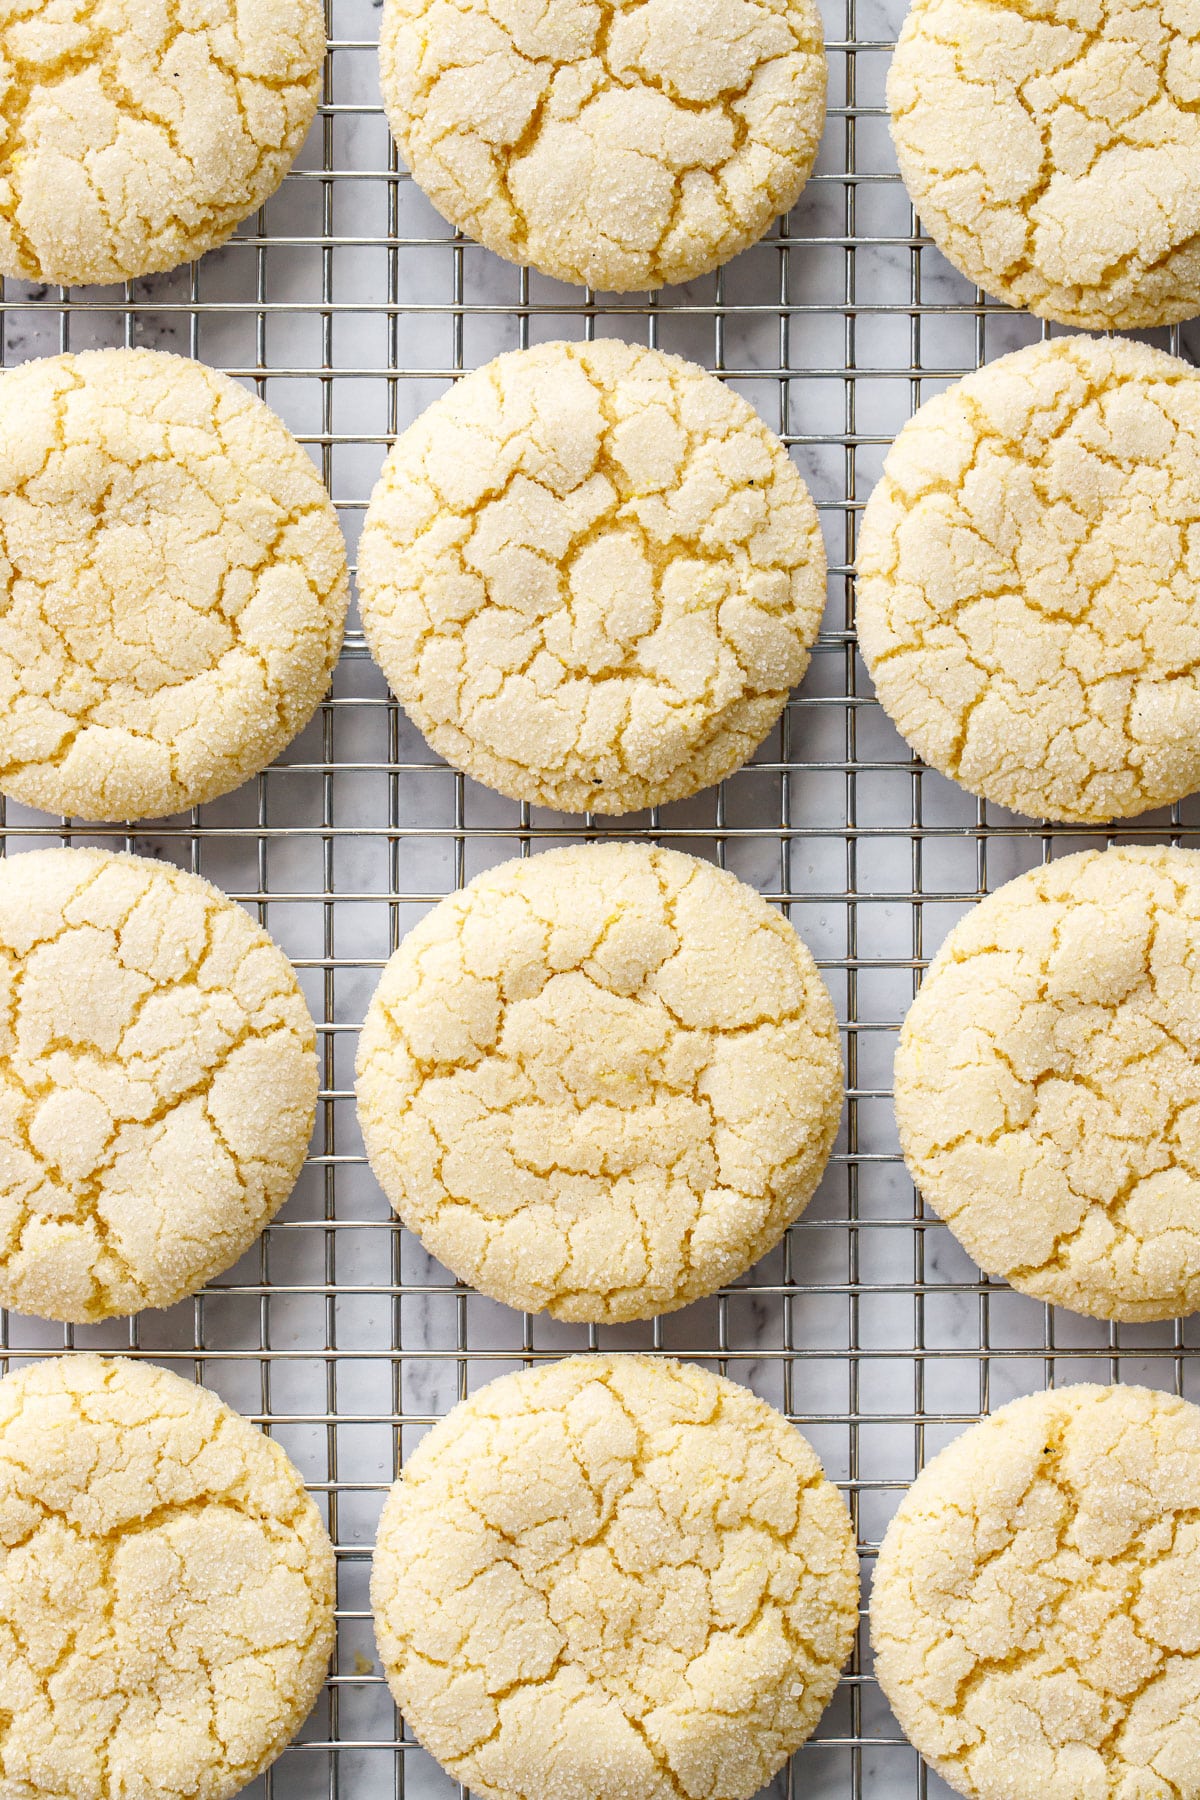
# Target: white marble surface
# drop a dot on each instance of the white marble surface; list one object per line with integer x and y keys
{"x": 368, "y": 1339}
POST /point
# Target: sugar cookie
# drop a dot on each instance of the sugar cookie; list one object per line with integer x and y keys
{"x": 166, "y": 1587}
{"x": 157, "y": 1083}
{"x": 592, "y": 576}
{"x": 661, "y": 1615}
{"x": 1051, "y": 151}
{"x": 601, "y": 1081}
{"x": 137, "y": 136}
{"x": 625, "y": 147}
{"x": 1027, "y": 580}
{"x": 1048, "y": 1083}
{"x": 172, "y": 587}
{"x": 1036, "y": 1606}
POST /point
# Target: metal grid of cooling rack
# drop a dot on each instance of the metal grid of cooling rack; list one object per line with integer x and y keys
{"x": 348, "y": 305}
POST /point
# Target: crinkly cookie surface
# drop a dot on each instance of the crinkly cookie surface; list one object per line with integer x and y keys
{"x": 1035, "y": 1613}
{"x": 1048, "y": 1083}
{"x": 661, "y": 1615}
{"x": 137, "y": 133}
{"x": 1050, "y": 148}
{"x": 602, "y": 1081}
{"x": 623, "y": 144}
{"x": 157, "y": 1083}
{"x": 592, "y": 576}
{"x": 166, "y": 1588}
{"x": 1026, "y": 597}
{"x": 172, "y": 584}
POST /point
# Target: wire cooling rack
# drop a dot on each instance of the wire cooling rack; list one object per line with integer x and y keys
{"x": 349, "y": 305}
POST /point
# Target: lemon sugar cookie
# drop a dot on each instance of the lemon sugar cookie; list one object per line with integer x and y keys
{"x": 166, "y": 1587}
{"x": 625, "y": 146}
{"x": 591, "y": 576}
{"x": 158, "y": 1083}
{"x": 1051, "y": 151}
{"x": 172, "y": 585}
{"x": 1048, "y": 1083}
{"x": 661, "y": 1615}
{"x": 1027, "y": 601}
{"x": 137, "y": 136}
{"x": 602, "y": 1081}
{"x": 1036, "y": 1601}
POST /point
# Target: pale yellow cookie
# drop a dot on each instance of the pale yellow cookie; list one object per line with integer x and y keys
{"x": 1048, "y": 1083}
{"x": 592, "y": 576}
{"x": 602, "y": 1081}
{"x": 172, "y": 584}
{"x": 1051, "y": 151}
{"x": 157, "y": 1083}
{"x": 166, "y": 1588}
{"x": 623, "y": 146}
{"x": 613, "y": 1578}
{"x": 1036, "y": 1607}
{"x": 1027, "y": 573}
{"x": 138, "y": 133}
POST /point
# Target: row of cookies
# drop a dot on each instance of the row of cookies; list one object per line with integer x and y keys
{"x": 592, "y": 576}
{"x": 137, "y": 137}
{"x": 590, "y": 572}
{"x": 1048, "y": 153}
{"x": 663, "y": 1611}
{"x": 601, "y": 1082}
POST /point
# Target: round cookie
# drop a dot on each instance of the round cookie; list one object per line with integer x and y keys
{"x": 158, "y": 1083}
{"x": 166, "y": 1587}
{"x": 601, "y": 1081}
{"x": 1051, "y": 151}
{"x": 137, "y": 136}
{"x": 1048, "y": 1083}
{"x": 623, "y": 147}
{"x": 1036, "y": 1601}
{"x": 172, "y": 585}
{"x": 1026, "y": 590}
{"x": 661, "y": 1614}
{"x": 591, "y": 576}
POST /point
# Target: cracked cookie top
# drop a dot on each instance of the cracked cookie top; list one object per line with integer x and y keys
{"x": 600, "y": 1081}
{"x": 661, "y": 1615}
{"x": 172, "y": 584}
{"x": 592, "y": 576}
{"x": 1048, "y": 1083}
{"x": 620, "y": 143}
{"x": 1036, "y": 1607}
{"x": 166, "y": 1587}
{"x": 1050, "y": 148}
{"x": 1027, "y": 580}
{"x": 135, "y": 134}
{"x": 157, "y": 1083}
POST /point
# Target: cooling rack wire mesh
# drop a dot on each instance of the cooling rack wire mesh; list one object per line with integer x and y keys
{"x": 348, "y": 305}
